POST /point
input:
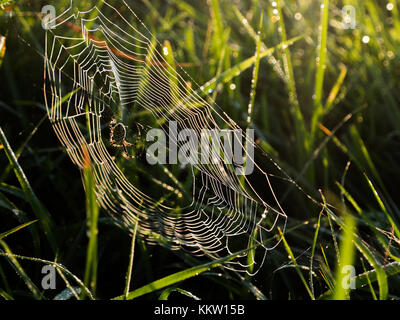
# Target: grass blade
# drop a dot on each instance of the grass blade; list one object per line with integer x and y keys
{"x": 129, "y": 271}
{"x": 7, "y": 233}
{"x": 293, "y": 258}
{"x": 166, "y": 293}
{"x": 321, "y": 66}
{"x": 313, "y": 251}
{"x": 291, "y": 85}
{"x": 346, "y": 258}
{"x": 178, "y": 277}
{"x": 41, "y": 212}
{"x": 19, "y": 270}
{"x": 254, "y": 79}
{"x": 92, "y": 213}
{"x": 237, "y": 69}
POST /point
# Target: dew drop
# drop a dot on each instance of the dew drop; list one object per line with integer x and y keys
{"x": 365, "y": 39}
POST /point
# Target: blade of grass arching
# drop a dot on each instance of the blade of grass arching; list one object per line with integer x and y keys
{"x": 13, "y": 230}
{"x": 313, "y": 252}
{"x": 254, "y": 79}
{"x": 346, "y": 258}
{"x": 128, "y": 275}
{"x": 293, "y": 258}
{"x": 237, "y": 69}
{"x": 38, "y": 208}
{"x": 321, "y": 66}
{"x": 166, "y": 293}
{"x": 19, "y": 270}
{"x": 300, "y": 128}
{"x": 179, "y": 277}
{"x": 92, "y": 216}
{"x": 383, "y": 207}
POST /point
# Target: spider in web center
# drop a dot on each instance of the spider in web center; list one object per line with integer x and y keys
{"x": 118, "y": 138}
{"x": 118, "y": 134}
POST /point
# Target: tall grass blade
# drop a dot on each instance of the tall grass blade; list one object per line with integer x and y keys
{"x": 37, "y": 207}
{"x": 321, "y": 67}
{"x": 346, "y": 259}
{"x": 92, "y": 216}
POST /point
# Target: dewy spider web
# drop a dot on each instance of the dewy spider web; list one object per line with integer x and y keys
{"x": 99, "y": 67}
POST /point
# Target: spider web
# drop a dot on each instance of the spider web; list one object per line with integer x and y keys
{"x": 101, "y": 66}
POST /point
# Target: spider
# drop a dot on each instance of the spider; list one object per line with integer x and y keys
{"x": 118, "y": 133}
{"x": 118, "y": 136}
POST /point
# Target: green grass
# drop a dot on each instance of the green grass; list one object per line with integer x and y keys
{"x": 324, "y": 105}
